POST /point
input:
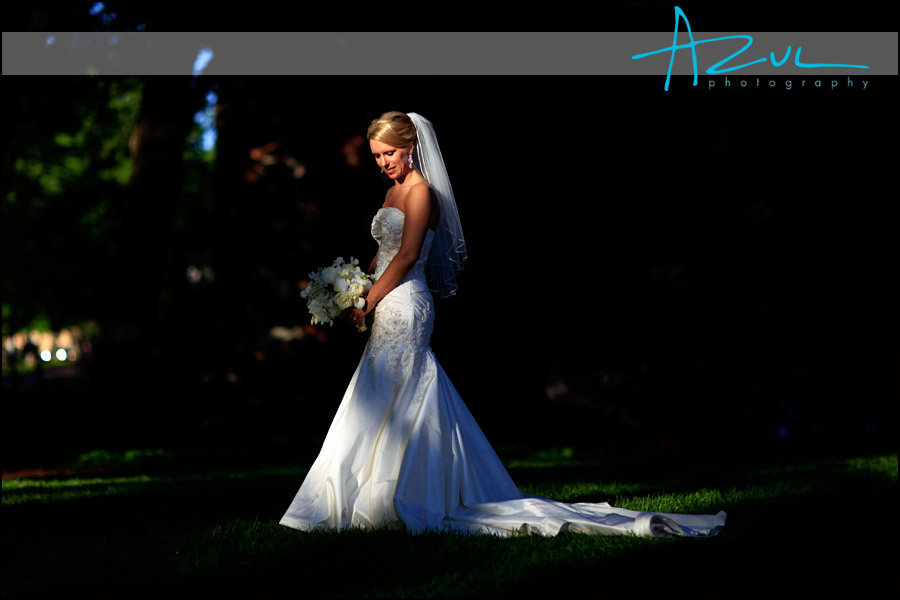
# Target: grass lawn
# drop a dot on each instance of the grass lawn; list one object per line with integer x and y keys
{"x": 804, "y": 527}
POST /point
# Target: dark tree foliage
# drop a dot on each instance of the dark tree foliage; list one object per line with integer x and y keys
{"x": 66, "y": 168}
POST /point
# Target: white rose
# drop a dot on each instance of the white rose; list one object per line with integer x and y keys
{"x": 344, "y": 300}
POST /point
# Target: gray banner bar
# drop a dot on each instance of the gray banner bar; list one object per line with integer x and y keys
{"x": 445, "y": 53}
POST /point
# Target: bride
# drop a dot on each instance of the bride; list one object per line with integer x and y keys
{"x": 403, "y": 450}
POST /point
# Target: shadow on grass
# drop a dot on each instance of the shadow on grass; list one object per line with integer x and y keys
{"x": 801, "y": 528}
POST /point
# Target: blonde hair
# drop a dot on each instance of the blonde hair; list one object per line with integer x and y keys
{"x": 393, "y": 128}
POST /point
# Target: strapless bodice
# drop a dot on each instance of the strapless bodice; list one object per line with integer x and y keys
{"x": 387, "y": 229}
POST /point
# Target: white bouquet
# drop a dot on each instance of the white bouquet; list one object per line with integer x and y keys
{"x": 334, "y": 289}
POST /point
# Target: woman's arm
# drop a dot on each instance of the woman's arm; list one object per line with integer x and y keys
{"x": 373, "y": 265}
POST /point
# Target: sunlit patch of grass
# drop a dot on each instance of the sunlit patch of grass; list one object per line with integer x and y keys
{"x": 885, "y": 466}
{"x": 18, "y": 491}
{"x": 100, "y": 456}
{"x": 699, "y": 502}
{"x": 547, "y": 457}
{"x": 578, "y": 491}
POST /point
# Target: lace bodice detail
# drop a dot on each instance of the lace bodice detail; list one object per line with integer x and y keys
{"x": 387, "y": 229}
{"x": 404, "y": 318}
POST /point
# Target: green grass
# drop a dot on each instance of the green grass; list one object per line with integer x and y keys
{"x": 804, "y": 527}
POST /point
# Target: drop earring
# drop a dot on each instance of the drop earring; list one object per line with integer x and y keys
{"x": 410, "y": 161}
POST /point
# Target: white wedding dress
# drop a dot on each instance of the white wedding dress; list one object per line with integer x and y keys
{"x": 404, "y": 451}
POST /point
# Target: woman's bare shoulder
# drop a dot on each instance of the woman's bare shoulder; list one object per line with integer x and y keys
{"x": 420, "y": 190}
{"x": 415, "y": 193}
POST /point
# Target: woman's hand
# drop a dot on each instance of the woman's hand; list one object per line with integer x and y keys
{"x": 357, "y": 316}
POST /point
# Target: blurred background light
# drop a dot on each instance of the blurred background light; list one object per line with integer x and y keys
{"x": 204, "y": 55}
{"x": 206, "y": 119}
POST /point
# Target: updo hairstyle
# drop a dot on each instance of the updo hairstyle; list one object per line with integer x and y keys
{"x": 393, "y": 128}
